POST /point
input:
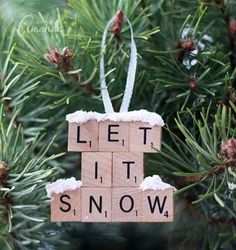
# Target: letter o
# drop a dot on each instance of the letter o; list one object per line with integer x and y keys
{"x": 131, "y": 203}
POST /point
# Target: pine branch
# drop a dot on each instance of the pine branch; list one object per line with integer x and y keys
{"x": 24, "y": 169}
{"x": 231, "y": 33}
{"x": 207, "y": 163}
{"x": 23, "y": 176}
{"x": 36, "y": 94}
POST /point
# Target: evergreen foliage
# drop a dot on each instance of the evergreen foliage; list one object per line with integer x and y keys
{"x": 49, "y": 67}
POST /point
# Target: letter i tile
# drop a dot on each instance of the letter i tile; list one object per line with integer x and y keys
{"x": 96, "y": 169}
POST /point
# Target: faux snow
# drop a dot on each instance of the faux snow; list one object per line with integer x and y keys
{"x": 136, "y": 115}
{"x": 155, "y": 183}
{"x": 62, "y": 185}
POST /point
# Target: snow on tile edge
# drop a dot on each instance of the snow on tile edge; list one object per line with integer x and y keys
{"x": 136, "y": 115}
{"x": 155, "y": 183}
{"x": 62, "y": 185}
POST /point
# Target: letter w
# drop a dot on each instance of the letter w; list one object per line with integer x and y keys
{"x": 157, "y": 201}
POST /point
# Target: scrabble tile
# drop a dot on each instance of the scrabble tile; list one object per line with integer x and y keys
{"x": 157, "y": 206}
{"x": 66, "y": 206}
{"x": 127, "y": 169}
{"x": 126, "y": 204}
{"x": 113, "y": 136}
{"x": 143, "y": 137}
{"x": 83, "y": 137}
{"x": 96, "y": 169}
{"x": 96, "y": 204}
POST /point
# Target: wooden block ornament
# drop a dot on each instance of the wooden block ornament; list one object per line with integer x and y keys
{"x": 112, "y": 146}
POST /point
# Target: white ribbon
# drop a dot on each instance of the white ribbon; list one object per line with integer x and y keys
{"x": 130, "y": 75}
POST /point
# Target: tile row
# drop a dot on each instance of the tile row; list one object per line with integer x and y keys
{"x": 109, "y": 136}
{"x": 117, "y": 169}
{"x": 113, "y": 205}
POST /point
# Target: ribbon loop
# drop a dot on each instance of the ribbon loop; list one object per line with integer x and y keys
{"x": 130, "y": 75}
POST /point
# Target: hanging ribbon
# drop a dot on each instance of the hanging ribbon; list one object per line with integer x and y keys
{"x": 130, "y": 75}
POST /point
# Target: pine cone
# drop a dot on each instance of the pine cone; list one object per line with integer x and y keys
{"x": 192, "y": 83}
{"x": 228, "y": 149}
{"x": 3, "y": 172}
{"x": 187, "y": 45}
{"x": 117, "y": 24}
{"x": 232, "y": 27}
{"x": 62, "y": 60}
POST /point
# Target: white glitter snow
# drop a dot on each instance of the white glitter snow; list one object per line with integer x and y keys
{"x": 136, "y": 115}
{"x": 62, "y": 185}
{"x": 155, "y": 183}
